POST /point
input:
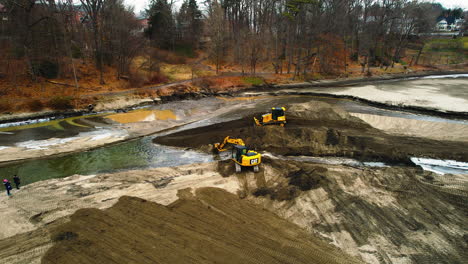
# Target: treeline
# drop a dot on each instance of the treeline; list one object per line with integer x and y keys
{"x": 292, "y": 36}
{"x": 42, "y": 38}
{"x": 324, "y": 35}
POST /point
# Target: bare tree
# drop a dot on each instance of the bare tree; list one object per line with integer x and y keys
{"x": 93, "y": 9}
{"x": 217, "y": 34}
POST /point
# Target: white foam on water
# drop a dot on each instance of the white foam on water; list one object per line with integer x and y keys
{"x": 441, "y": 166}
{"x": 2, "y": 148}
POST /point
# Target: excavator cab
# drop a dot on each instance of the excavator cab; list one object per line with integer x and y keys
{"x": 276, "y": 117}
{"x": 243, "y": 157}
{"x": 238, "y": 151}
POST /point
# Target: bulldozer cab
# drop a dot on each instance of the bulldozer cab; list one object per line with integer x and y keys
{"x": 277, "y": 112}
{"x": 238, "y": 151}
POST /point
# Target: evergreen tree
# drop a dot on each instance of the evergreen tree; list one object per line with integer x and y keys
{"x": 189, "y": 22}
{"x": 161, "y": 25}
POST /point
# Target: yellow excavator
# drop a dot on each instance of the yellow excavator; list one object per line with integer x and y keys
{"x": 240, "y": 154}
{"x": 276, "y": 117}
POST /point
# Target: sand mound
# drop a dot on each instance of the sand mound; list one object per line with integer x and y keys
{"x": 417, "y": 128}
{"x": 321, "y": 130}
{"x": 211, "y": 227}
{"x": 387, "y": 215}
{"x": 317, "y": 110}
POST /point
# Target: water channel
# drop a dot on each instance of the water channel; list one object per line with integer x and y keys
{"x": 141, "y": 153}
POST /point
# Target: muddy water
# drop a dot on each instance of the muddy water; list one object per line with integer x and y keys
{"x": 143, "y": 115}
{"x": 142, "y": 153}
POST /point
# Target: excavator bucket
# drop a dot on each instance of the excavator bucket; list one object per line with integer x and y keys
{"x": 257, "y": 122}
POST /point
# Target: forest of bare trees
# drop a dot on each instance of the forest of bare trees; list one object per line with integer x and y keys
{"x": 302, "y": 35}
{"x": 47, "y": 38}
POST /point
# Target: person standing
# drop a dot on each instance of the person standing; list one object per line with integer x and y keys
{"x": 7, "y": 186}
{"x": 17, "y": 181}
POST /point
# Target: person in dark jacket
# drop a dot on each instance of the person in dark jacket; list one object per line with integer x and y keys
{"x": 7, "y": 186}
{"x": 17, "y": 181}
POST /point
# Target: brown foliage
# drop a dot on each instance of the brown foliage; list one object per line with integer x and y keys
{"x": 219, "y": 83}
{"x": 136, "y": 80}
{"x": 34, "y": 105}
{"x": 204, "y": 83}
{"x": 157, "y": 78}
{"x": 332, "y": 54}
{"x": 61, "y": 103}
{"x": 168, "y": 57}
{"x": 5, "y": 106}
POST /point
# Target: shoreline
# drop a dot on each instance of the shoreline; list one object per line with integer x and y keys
{"x": 268, "y": 87}
{"x": 272, "y": 91}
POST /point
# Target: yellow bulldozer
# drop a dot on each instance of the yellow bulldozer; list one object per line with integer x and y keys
{"x": 240, "y": 154}
{"x": 276, "y": 117}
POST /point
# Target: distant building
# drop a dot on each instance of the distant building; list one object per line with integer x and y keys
{"x": 3, "y": 13}
{"x": 442, "y": 25}
{"x": 144, "y": 23}
{"x": 458, "y": 25}
{"x": 449, "y": 24}
{"x": 3, "y": 20}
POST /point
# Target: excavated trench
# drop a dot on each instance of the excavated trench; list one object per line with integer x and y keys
{"x": 318, "y": 129}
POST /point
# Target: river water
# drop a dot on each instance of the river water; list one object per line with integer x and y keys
{"x": 141, "y": 153}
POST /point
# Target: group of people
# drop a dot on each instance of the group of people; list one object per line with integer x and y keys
{"x": 8, "y": 186}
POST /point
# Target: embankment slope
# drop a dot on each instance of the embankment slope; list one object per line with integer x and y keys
{"x": 212, "y": 226}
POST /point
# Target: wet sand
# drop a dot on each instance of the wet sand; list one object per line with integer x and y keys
{"x": 436, "y": 94}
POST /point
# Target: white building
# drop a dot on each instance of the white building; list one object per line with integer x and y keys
{"x": 442, "y": 25}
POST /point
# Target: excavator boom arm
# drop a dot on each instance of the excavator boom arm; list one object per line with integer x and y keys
{"x": 229, "y": 140}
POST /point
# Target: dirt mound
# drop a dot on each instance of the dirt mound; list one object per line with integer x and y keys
{"x": 382, "y": 215}
{"x": 211, "y": 227}
{"x": 321, "y": 130}
{"x": 291, "y": 181}
{"x": 318, "y": 111}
